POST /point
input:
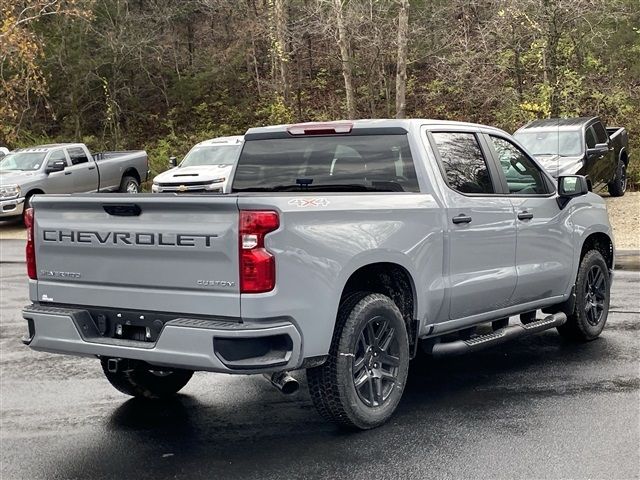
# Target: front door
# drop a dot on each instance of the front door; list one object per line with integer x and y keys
{"x": 608, "y": 162}
{"x": 544, "y": 252}
{"x": 83, "y": 171}
{"x": 481, "y": 227}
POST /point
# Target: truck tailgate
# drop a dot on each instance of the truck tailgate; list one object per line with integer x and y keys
{"x": 150, "y": 252}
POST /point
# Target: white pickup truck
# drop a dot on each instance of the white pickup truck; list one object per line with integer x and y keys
{"x": 66, "y": 168}
{"x": 206, "y": 168}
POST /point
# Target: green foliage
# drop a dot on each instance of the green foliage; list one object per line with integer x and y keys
{"x": 165, "y": 75}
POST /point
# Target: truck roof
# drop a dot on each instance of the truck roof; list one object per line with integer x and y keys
{"x": 48, "y": 147}
{"x": 575, "y": 123}
{"x": 230, "y": 140}
{"x": 407, "y": 124}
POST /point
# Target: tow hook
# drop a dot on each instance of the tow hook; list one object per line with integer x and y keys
{"x": 283, "y": 382}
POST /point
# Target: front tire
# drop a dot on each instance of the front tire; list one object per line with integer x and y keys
{"x": 26, "y": 205}
{"x": 129, "y": 185}
{"x": 139, "y": 379}
{"x": 619, "y": 184}
{"x": 362, "y": 381}
{"x": 593, "y": 287}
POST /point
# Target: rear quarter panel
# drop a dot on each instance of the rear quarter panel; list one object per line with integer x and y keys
{"x": 323, "y": 239}
{"x": 114, "y": 164}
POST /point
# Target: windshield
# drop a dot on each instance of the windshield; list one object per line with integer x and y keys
{"x": 22, "y": 161}
{"x": 552, "y": 142}
{"x": 353, "y": 163}
{"x": 211, "y": 155}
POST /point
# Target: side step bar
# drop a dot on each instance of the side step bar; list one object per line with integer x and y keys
{"x": 506, "y": 334}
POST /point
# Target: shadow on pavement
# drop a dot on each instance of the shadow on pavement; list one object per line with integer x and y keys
{"x": 256, "y": 437}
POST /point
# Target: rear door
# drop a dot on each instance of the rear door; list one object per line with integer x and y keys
{"x": 481, "y": 226}
{"x": 544, "y": 252}
{"x": 159, "y": 253}
{"x": 83, "y": 173}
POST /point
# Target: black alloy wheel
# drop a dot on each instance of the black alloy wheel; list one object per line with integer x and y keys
{"x": 594, "y": 295}
{"x": 376, "y": 361}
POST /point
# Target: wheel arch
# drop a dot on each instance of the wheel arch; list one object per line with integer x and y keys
{"x": 131, "y": 172}
{"x": 34, "y": 191}
{"x": 390, "y": 279}
{"x": 624, "y": 156}
{"x": 601, "y": 242}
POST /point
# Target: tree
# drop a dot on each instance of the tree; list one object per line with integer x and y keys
{"x": 21, "y": 55}
{"x": 345, "y": 58}
{"x": 401, "y": 75}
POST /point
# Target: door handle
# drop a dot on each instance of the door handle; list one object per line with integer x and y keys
{"x": 462, "y": 218}
{"x": 525, "y": 215}
{"x": 92, "y": 168}
{"x": 68, "y": 173}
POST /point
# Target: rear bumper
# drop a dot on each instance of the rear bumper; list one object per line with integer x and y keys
{"x": 11, "y": 208}
{"x": 193, "y": 344}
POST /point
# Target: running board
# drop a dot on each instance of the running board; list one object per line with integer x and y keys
{"x": 506, "y": 334}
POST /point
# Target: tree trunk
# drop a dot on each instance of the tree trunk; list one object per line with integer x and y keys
{"x": 281, "y": 47}
{"x": 345, "y": 58}
{"x": 401, "y": 70}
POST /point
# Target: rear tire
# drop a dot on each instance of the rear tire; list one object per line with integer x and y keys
{"x": 139, "y": 379}
{"x": 619, "y": 184}
{"x": 362, "y": 381}
{"x": 129, "y": 185}
{"x": 593, "y": 286}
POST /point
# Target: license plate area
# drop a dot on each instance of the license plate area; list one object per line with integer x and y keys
{"x": 106, "y": 325}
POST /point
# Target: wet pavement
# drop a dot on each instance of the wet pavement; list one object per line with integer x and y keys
{"x": 535, "y": 408}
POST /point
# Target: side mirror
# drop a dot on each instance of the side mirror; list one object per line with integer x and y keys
{"x": 56, "y": 166}
{"x": 570, "y": 186}
{"x": 173, "y": 162}
{"x": 597, "y": 150}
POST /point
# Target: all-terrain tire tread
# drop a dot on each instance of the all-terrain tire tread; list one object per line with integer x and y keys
{"x": 574, "y": 329}
{"x": 323, "y": 380}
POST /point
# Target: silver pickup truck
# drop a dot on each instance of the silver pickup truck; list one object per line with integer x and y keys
{"x": 343, "y": 248}
{"x": 66, "y": 168}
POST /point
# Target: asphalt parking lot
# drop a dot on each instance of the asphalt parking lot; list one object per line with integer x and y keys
{"x": 536, "y": 408}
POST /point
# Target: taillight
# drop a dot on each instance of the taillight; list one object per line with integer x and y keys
{"x": 257, "y": 265}
{"x": 31, "y": 248}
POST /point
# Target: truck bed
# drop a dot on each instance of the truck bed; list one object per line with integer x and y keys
{"x": 112, "y": 166}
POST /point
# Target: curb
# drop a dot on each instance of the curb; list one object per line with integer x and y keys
{"x": 627, "y": 260}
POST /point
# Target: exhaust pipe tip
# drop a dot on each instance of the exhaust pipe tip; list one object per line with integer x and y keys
{"x": 284, "y": 382}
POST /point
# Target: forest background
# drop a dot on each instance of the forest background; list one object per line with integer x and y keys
{"x": 164, "y": 74}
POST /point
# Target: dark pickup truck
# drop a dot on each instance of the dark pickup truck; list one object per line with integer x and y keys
{"x": 580, "y": 146}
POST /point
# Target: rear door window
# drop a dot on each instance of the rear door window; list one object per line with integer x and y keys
{"x": 77, "y": 155}
{"x": 591, "y": 138}
{"x": 327, "y": 163}
{"x": 463, "y": 162}
{"x": 601, "y": 133}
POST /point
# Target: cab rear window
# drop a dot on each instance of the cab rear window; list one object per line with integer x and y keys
{"x": 350, "y": 163}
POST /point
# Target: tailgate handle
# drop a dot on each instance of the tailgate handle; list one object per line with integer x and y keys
{"x": 129, "y": 210}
